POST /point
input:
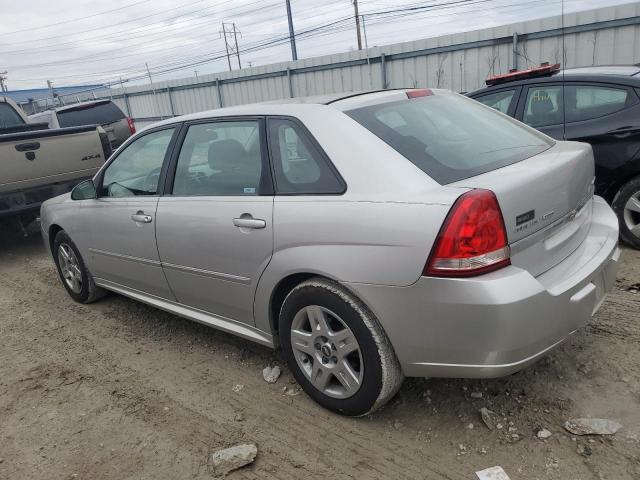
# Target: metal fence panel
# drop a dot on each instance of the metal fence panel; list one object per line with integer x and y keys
{"x": 459, "y": 62}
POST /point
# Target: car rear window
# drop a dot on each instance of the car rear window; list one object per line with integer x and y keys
{"x": 451, "y": 137}
{"x": 94, "y": 114}
{"x": 9, "y": 117}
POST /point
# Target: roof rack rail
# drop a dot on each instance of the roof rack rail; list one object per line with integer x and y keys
{"x": 543, "y": 70}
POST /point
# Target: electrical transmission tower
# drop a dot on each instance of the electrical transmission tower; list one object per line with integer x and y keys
{"x": 231, "y": 41}
{"x": 3, "y": 78}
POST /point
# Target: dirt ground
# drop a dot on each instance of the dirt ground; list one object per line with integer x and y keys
{"x": 119, "y": 390}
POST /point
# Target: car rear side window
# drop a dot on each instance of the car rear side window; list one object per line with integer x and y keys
{"x": 92, "y": 114}
{"x": 589, "y": 101}
{"x": 499, "y": 101}
{"x": 300, "y": 167}
{"x": 9, "y": 117}
{"x": 450, "y": 137}
{"x": 220, "y": 158}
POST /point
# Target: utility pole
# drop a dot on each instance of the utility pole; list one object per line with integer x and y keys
{"x": 357, "y": 17}
{"x": 364, "y": 29}
{"x": 148, "y": 72}
{"x": 292, "y": 35}
{"x": 3, "y": 86}
{"x": 153, "y": 89}
{"x": 50, "y": 87}
{"x": 231, "y": 41}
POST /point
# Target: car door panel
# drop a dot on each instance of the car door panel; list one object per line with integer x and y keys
{"x": 122, "y": 250}
{"x": 211, "y": 263}
{"x": 122, "y": 239}
{"x": 214, "y": 229}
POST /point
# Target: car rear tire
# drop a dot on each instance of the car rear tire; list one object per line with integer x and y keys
{"x": 336, "y": 349}
{"x": 75, "y": 276}
{"x": 626, "y": 204}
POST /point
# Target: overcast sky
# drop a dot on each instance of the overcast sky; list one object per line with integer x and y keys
{"x": 75, "y": 42}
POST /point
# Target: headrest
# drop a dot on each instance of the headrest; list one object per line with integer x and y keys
{"x": 224, "y": 153}
{"x": 542, "y": 106}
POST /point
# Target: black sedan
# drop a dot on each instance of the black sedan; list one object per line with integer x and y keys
{"x": 598, "y": 105}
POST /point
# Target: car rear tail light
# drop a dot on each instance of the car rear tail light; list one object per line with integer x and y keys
{"x": 421, "y": 92}
{"x": 132, "y": 125}
{"x": 472, "y": 240}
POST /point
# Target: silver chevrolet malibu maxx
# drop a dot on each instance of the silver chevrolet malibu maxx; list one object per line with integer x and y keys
{"x": 370, "y": 236}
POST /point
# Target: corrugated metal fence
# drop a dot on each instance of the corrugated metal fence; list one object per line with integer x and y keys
{"x": 459, "y": 62}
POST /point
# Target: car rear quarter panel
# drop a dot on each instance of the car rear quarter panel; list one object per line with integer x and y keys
{"x": 379, "y": 243}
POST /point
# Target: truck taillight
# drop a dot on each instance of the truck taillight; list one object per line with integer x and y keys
{"x": 132, "y": 125}
{"x": 472, "y": 240}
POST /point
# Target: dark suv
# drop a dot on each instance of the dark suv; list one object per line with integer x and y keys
{"x": 601, "y": 106}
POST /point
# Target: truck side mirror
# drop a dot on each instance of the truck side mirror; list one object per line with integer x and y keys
{"x": 84, "y": 191}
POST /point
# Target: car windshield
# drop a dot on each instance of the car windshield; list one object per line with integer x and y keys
{"x": 451, "y": 137}
{"x": 91, "y": 114}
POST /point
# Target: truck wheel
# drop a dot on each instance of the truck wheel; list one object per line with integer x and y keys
{"x": 75, "y": 276}
{"x": 336, "y": 349}
{"x": 626, "y": 204}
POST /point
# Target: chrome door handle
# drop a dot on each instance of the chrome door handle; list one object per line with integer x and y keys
{"x": 247, "y": 221}
{"x": 141, "y": 217}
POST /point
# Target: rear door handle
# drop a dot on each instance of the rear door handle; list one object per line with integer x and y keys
{"x": 141, "y": 217}
{"x": 247, "y": 221}
{"x": 623, "y": 132}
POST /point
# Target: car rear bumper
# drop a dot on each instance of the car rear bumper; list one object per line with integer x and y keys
{"x": 29, "y": 200}
{"x": 498, "y": 323}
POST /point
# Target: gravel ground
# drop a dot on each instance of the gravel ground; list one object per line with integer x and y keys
{"x": 119, "y": 390}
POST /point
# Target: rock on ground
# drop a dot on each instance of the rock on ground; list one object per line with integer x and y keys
{"x": 543, "y": 433}
{"x": 271, "y": 375}
{"x": 229, "y": 459}
{"x": 490, "y": 419}
{"x": 492, "y": 473}
{"x": 592, "y": 426}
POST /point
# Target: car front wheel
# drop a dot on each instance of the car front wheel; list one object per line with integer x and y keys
{"x": 75, "y": 276}
{"x": 336, "y": 349}
{"x": 626, "y": 204}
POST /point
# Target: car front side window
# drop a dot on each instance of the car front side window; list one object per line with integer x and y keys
{"x": 499, "y": 100}
{"x": 136, "y": 170}
{"x": 544, "y": 106}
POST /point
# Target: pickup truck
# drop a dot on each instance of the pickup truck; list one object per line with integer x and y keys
{"x": 37, "y": 163}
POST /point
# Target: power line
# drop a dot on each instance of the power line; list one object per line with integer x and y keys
{"x": 179, "y": 62}
{"x": 65, "y": 22}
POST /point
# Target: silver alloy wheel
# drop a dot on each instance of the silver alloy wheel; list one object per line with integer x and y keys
{"x": 70, "y": 268}
{"x": 327, "y": 351}
{"x": 632, "y": 214}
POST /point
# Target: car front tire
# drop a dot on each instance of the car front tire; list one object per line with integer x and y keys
{"x": 626, "y": 204}
{"x": 75, "y": 276}
{"x": 336, "y": 349}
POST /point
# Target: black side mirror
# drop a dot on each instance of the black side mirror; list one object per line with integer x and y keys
{"x": 84, "y": 191}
